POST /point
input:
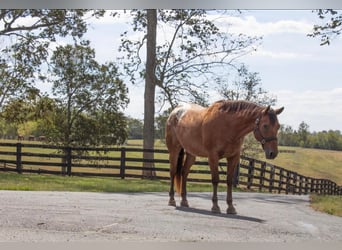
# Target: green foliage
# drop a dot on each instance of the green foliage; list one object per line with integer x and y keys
{"x": 246, "y": 86}
{"x": 331, "y": 139}
{"x": 135, "y": 128}
{"x": 331, "y": 28}
{"x": 25, "y": 39}
{"x": 89, "y": 97}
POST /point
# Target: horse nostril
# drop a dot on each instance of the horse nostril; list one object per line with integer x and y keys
{"x": 271, "y": 155}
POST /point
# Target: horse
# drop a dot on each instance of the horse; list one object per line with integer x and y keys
{"x": 21, "y": 137}
{"x": 216, "y": 132}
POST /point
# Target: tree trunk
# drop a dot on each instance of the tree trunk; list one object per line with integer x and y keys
{"x": 150, "y": 87}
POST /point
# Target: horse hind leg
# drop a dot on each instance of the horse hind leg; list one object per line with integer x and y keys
{"x": 189, "y": 161}
{"x": 176, "y": 162}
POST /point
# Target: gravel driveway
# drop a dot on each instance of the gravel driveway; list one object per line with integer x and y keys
{"x": 80, "y": 216}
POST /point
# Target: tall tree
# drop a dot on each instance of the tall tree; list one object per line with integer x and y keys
{"x": 331, "y": 28}
{"x": 89, "y": 97}
{"x": 150, "y": 89}
{"x": 25, "y": 38}
{"x": 303, "y": 133}
{"x": 193, "y": 51}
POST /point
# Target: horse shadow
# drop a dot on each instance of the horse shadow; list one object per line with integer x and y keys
{"x": 221, "y": 215}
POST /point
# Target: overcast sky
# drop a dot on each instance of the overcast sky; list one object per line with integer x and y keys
{"x": 305, "y": 77}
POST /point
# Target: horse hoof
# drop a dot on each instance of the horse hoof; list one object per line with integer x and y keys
{"x": 184, "y": 204}
{"x": 216, "y": 210}
{"x": 231, "y": 210}
{"x": 172, "y": 203}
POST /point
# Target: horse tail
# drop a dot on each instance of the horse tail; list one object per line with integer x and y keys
{"x": 178, "y": 176}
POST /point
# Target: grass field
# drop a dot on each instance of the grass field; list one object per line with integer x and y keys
{"x": 325, "y": 164}
{"x": 35, "y": 182}
{"x": 328, "y": 204}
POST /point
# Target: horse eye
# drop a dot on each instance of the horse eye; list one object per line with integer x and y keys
{"x": 265, "y": 126}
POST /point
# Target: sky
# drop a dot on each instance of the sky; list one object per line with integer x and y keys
{"x": 305, "y": 77}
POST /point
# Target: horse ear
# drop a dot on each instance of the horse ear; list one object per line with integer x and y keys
{"x": 265, "y": 111}
{"x": 278, "y": 111}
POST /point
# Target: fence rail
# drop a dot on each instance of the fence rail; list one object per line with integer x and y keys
{"x": 128, "y": 163}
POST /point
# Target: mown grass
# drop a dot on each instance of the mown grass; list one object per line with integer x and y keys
{"x": 35, "y": 182}
{"x": 316, "y": 163}
{"x": 329, "y": 204}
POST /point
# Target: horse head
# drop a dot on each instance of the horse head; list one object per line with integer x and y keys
{"x": 266, "y": 129}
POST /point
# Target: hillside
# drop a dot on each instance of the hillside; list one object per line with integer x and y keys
{"x": 325, "y": 164}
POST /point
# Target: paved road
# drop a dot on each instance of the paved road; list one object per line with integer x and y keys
{"x": 76, "y": 216}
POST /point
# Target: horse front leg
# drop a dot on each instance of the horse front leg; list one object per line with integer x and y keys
{"x": 231, "y": 165}
{"x": 215, "y": 179}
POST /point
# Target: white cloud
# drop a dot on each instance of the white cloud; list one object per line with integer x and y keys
{"x": 248, "y": 25}
{"x": 320, "y": 109}
{"x": 261, "y": 52}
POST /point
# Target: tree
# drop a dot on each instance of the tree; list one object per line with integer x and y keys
{"x": 25, "y": 38}
{"x": 303, "y": 132}
{"x": 19, "y": 111}
{"x": 160, "y": 125}
{"x": 182, "y": 64}
{"x": 135, "y": 128}
{"x": 150, "y": 89}
{"x": 246, "y": 86}
{"x": 329, "y": 30}
{"x": 89, "y": 97}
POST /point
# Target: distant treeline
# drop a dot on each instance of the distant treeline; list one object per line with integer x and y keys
{"x": 331, "y": 139}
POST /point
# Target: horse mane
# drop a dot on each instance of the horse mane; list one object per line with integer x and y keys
{"x": 230, "y": 106}
{"x": 237, "y": 106}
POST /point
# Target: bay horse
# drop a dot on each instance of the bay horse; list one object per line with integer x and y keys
{"x": 216, "y": 132}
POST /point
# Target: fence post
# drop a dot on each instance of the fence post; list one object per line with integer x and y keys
{"x": 300, "y": 184}
{"x": 287, "y": 182}
{"x": 271, "y": 182}
{"x": 333, "y": 191}
{"x": 306, "y": 186}
{"x": 250, "y": 173}
{"x": 262, "y": 175}
{"x": 68, "y": 160}
{"x": 280, "y": 184}
{"x": 319, "y": 186}
{"x": 294, "y": 191}
{"x": 123, "y": 163}
{"x": 19, "y": 165}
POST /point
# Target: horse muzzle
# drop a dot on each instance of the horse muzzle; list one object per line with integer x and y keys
{"x": 270, "y": 154}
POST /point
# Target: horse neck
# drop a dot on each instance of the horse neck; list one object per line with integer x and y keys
{"x": 247, "y": 119}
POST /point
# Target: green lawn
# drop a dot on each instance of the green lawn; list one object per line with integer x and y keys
{"x": 328, "y": 204}
{"x": 316, "y": 163}
{"x": 35, "y": 182}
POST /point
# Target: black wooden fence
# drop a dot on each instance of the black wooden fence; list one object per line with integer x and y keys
{"x": 128, "y": 163}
